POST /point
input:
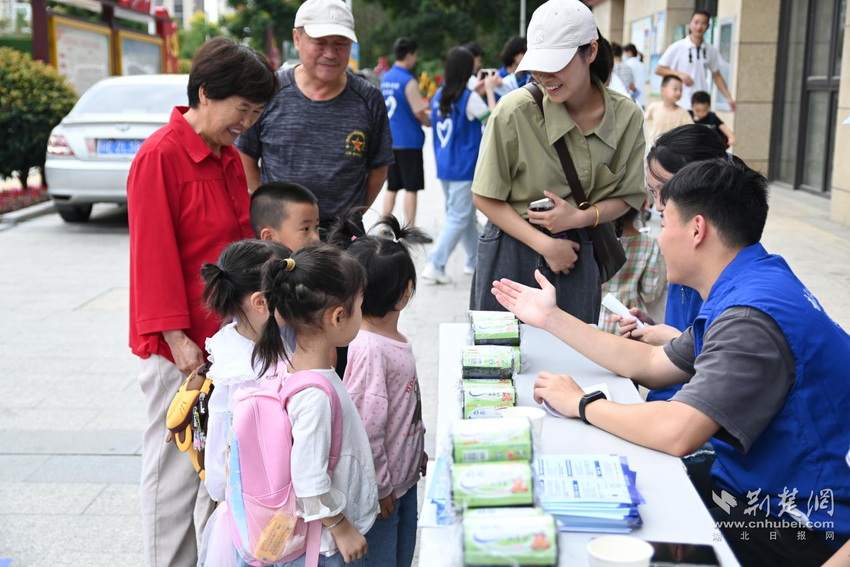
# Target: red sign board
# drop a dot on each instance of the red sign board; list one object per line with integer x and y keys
{"x": 138, "y": 5}
{"x": 167, "y": 30}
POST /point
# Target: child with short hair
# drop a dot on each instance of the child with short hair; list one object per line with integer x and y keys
{"x": 318, "y": 292}
{"x": 381, "y": 379}
{"x": 285, "y": 212}
{"x": 702, "y": 115}
{"x": 664, "y": 115}
{"x": 643, "y": 278}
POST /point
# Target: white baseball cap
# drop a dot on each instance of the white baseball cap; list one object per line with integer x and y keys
{"x": 557, "y": 29}
{"x": 321, "y": 18}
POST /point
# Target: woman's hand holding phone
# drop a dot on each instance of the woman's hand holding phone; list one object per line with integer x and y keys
{"x": 559, "y": 218}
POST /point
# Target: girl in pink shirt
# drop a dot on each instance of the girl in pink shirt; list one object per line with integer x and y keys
{"x": 381, "y": 379}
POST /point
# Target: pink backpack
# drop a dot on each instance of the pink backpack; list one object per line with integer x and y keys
{"x": 261, "y": 505}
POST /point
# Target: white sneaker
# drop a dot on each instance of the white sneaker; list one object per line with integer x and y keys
{"x": 433, "y": 275}
{"x": 467, "y": 271}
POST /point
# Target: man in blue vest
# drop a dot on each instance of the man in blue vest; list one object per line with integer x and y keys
{"x": 408, "y": 112}
{"x": 764, "y": 372}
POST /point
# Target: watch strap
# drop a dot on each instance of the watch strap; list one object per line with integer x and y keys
{"x": 586, "y": 399}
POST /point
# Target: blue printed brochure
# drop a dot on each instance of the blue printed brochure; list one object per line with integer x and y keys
{"x": 589, "y": 493}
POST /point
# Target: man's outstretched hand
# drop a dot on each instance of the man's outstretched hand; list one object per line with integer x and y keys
{"x": 532, "y": 306}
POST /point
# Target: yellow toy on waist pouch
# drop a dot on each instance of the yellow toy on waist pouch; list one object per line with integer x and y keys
{"x": 188, "y": 414}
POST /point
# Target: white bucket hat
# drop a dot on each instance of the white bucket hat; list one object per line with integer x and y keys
{"x": 322, "y": 18}
{"x": 557, "y": 29}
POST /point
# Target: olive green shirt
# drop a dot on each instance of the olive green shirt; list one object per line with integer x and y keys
{"x": 518, "y": 161}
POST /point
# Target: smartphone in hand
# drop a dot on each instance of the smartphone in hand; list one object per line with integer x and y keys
{"x": 541, "y": 205}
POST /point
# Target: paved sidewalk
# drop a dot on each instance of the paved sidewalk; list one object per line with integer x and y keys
{"x": 71, "y": 412}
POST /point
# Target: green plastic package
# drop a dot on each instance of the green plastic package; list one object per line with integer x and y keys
{"x": 506, "y": 439}
{"x": 514, "y": 536}
{"x": 487, "y": 362}
{"x": 503, "y": 332}
{"x": 485, "y": 400}
{"x": 482, "y": 485}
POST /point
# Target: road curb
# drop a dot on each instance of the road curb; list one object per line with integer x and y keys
{"x": 28, "y": 213}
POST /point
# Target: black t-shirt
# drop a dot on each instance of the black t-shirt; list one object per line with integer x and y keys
{"x": 327, "y": 146}
{"x": 714, "y": 122}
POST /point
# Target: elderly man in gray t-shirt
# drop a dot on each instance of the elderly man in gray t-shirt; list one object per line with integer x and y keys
{"x": 326, "y": 129}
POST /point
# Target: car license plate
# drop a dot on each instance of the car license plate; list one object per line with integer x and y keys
{"x": 118, "y": 147}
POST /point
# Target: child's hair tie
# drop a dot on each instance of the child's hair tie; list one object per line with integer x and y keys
{"x": 289, "y": 264}
{"x": 353, "y": 238}
{"x": 383, "y": 230}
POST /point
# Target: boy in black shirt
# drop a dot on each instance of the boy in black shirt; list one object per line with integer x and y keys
{"x": 702, "y": 114}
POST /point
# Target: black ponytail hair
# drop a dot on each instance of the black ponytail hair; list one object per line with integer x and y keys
{"x": 384, "y": 253}
{"x": 604, "y": 62}
{"x": 686, "y": 144}
{"x": 301, "y": 289}
{"x": 603, "y": 65}
{"x": 458, "y": 68}
{"x": 620, "y": 223}
{"x": 237, "y": 273}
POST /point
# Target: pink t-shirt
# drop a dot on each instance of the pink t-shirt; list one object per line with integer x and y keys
{"x": 381, "y": 379}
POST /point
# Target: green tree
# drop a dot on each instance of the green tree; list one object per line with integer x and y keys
{"x": 34, "y": 97}
{"x": 253, "y": 17}
{"x": 437, "y": 25}
{"x": 200, "y": 30}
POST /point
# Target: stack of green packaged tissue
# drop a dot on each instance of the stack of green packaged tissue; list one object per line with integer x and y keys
{"x": 478, "y": 485}
{"x": 487, "y": 380}
{"x": 494, "y": 328}
{"x": 492, "y": 463}
{"x": 492, "y": 470}
{"x": 514, "y": 536}
{"x": 486, "y": 399}
{"x": 487, "y": 362}
{"x": 507, "y": 439}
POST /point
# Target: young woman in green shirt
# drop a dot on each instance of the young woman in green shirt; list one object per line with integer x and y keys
{"x": 518, "y": 165}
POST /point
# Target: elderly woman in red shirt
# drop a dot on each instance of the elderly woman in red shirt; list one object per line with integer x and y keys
{"x": 187, "y": 199}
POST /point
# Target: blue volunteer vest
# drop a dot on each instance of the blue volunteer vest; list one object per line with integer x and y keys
{"x": 521, "y": 80}
{"x": 683, "y": 305}
{"x": 803, "y": 446}
{"x": 456, "y": 140}
{"x": 406, "y": 129}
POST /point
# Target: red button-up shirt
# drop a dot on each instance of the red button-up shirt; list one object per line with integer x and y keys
{"x": 185, "y": 205}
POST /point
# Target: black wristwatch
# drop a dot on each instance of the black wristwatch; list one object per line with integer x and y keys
{"x": 586, "y": 399}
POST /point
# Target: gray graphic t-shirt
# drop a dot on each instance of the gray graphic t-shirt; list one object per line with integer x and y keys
{"x": 327, "y": 146}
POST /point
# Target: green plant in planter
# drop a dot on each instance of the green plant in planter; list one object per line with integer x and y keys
{"x": 34, "y": 98}
{"x": 184, "y": 66}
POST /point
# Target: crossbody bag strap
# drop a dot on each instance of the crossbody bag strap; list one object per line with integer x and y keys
{"x": 561, "y": 148}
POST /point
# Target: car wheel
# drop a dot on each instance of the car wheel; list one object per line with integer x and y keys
{"x": 80, "y": 213}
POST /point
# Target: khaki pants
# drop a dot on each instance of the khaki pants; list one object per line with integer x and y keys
{"x": 175, "y": 504}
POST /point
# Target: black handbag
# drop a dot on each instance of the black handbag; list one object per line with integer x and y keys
{"x": 607, "y": 250}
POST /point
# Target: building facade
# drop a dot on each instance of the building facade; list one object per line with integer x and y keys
{"x": 788, "y": 68}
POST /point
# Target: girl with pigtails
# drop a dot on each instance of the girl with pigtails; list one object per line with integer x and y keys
{"x": 232, "y": 290}
{"x": 317, "y": 292}
{"x": 382, "y": 382}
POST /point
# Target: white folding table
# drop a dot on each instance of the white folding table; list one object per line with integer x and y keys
{"x": 673, "y": 511}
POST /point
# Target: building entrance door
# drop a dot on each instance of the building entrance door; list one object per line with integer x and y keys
{"x": 808, "y": 74}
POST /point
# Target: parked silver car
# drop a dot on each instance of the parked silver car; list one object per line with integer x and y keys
{"x": 89, "y": 153}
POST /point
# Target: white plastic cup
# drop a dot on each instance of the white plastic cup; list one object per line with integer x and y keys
{"x": 534, "y": 415}
{"x": 619, "y": 551}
